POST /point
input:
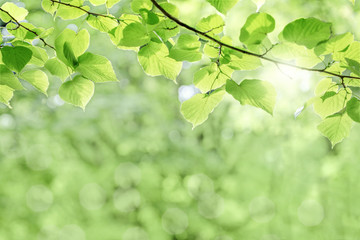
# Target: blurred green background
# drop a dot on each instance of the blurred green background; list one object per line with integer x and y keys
{"x": 132, "y": 168}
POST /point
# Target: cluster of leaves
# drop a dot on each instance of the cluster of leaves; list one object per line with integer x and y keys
{"x": 20, "y": 59}
{"x": 152, "y": 30}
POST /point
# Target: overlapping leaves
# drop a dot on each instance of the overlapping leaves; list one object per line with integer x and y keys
{"x": 307, "y": 42}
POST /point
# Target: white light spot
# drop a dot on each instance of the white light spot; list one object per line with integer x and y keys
{"x": 58, "y": 101}
{"x": 127, "y": 200}
{"x": 259, "y": 4}
{"x": 186, "y": 92}
{"x": 298, "y": 111}
{"x": 92, "y": 196}
{"x": 135, "y": 233}
{"x": 35, "y": 42}
{"x": 305, "y": 83}
{"x": 310, "y": 213}
{"x": 20, "y": 4}
{"x": 5, "y": 32}
{"x": 262, "y": 209}
{"x": 72, "y": 27}
{"x": 39, "y": 198}
{"x": 127, "y": 175}
{"x": 7, "y": 121}
{"x": 211, "y": 205}
{"x": 198, "y": 185}
{"x": 174, "y": 221}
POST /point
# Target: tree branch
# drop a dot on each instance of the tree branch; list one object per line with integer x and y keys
{"x": 84, "y": 10}
{"x": 26, "y": 28}
{"x": 204, "y": 34}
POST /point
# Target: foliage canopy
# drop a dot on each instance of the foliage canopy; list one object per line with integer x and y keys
{"x": 162, "y": 41}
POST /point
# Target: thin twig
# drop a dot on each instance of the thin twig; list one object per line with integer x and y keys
{"x": 86, "y": 11}
{"x": 27, "y": 29}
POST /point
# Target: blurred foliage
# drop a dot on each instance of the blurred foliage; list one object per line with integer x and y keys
{"x": 131, "y": 168}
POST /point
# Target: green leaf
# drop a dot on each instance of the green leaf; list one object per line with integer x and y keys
{"x": 239, "y": 61}
{"x": 49, "y": 6}
{"x": 57, "y": 68}
{"x": 149, "y": 17}
{"x": 253, "y": 92}
{"x": 102, "y": 24}
{"x": 213, "y": 24}
{"x": 16, "y": 12}
{"x": 117, "y": 34}
{"x": 39, "y": 55}
{"x": 16, "y": 58}
{"x": 77, "y": 42}
{"x": 67, "y": 12}
{"x": 308, "y": 32}
{"x": 256, "y": 27}
{"x": 96, "y": 68}
{"x": 353, "y": 53}
{"x": 155, "y": 61}
{"x": 181, "y": 55}
{"x": 8, "y": 78}
{"x": 336, "y": 127}
{"x": 170, "y": 8}
{"x": 69, "y": 55}
{"x": 97, "y": 2}
{"x": 335, "y": 44}
{"x": 20, "y": 32}
{"x": 6, "y": 94}
{"x": 136, "y": 5}
{"x": 134, "y": 35}
{"x": 187, "y": 48}
{"x": 111, "y": 3}
{"x": 37, "y": 78}
{"x": 197, "y": 109}
{"x": 353, "y": 66}
{"x": 212, "y": 77}
{"x": 303, "y": 56}
{"x": 166, "y": 29}
{"x": 353, "y": 109}
{"x": 78, "y": 91}
{"x": 325, "y": 85}
{"x": 331, "y": 102}
{"x": 223, "y": 6}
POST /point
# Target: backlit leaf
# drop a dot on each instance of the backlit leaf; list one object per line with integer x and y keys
{"x": 308, "y": 32}
{"x": 6, "y": 94}
{"x": 78, "y": 91}
{"x": 37, "y": 78}
{"x": 223, "y": 6}
{"x": 336, "y": 127}
{"x": 96, "y": 68}
{"x": 155, "y": 61}
{"x": 197, "y": 109}
{"x": 256, "y": 27}
{"x": 253, "y": 92}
